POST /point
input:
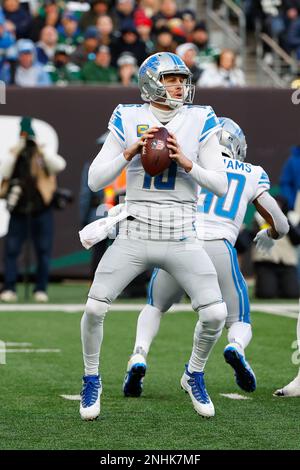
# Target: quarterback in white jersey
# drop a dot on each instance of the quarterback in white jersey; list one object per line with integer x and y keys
{"x": 144, "y": 194}
{"x": 160, "y": 229}
{"x": 218, "y": 224}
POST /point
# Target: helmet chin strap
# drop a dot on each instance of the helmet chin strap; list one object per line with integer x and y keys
{"x": 172, "y": 102}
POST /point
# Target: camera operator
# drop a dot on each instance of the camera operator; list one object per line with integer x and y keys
{"x": 29, "y": 185}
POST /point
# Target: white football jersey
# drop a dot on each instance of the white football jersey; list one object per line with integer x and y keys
{"x": 222, "y": 218}
{"x": 165, "y": 204}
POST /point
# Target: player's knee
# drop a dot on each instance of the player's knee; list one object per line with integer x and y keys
{"x": 163, "y": 307}
{"x": 96, "y": 308}
{"x": 230, "y": 320}
{"x": 213, "y": 315}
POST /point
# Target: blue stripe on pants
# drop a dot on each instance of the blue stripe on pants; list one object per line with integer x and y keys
{"x": 240, "y": 285}
{"x": 150, "y": 287}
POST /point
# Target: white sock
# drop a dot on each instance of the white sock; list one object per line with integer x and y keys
{"x": 91, "y": 338}
{"x": 240, "y": 333}
{"x": 207, "y": 332}
{"x": 147, "y": 328}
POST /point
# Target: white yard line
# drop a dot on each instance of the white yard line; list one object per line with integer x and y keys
{"x": 71, "y": 397}
{"x": 284, "y": 310}
{"x": 235, "y": 396}
{"x": 9, "y": 343}
{"x": 5, "y": 351}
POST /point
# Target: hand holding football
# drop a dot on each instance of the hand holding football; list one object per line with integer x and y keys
{"x": 155, "y": 154}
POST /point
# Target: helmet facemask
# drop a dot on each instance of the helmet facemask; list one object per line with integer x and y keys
{"x": 161, "y": 93}
{"x": 188, "y": 91}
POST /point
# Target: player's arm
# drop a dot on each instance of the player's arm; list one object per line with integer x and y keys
{"x": 269, "y": 209}
{"x": 210, "y": 173}
{"x": 111, "y": 160}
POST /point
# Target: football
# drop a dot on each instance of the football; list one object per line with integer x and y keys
{"x": 155, "y": 153}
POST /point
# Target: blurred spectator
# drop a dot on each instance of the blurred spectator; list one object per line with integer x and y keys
{"x": 87, "y": 50}
{"x": 188, "y": 24}
{"x": 165, "y": 41}
{"x": 188, "y": 53}
{"x": 292, "y": 40}
{"x": 27, "y": 71}
{"x": 100, "y": 69}
{"x": 89, "y": 202}
{"x": 175, "y": 26}
{"x": 19, "y": 16}
{"x": 127, "y": 69}
{"x": 290, "y": 177}
{"x": 206, "y": 53}
{"x": 276, "y": 272}
{"x": 61, "y": 70}
{"x": 168, "y": 11}
{"x": 144, "y": 29}
{"x": 45, "y": 48}
{"x": 6, "y": 40}
{"x": 277, "y": 16}
{"x": 130, "y": 42}
{"x": 29, "y": 185}
{"x": 224, "y": 73}
{"x": 273, "y": 17}
{"x": 68, "y": 31}
{"x": 290, "y": 185}
{"x": 123, "y": 13}
{"x": 98, "y": 8}
{"x": 149, "y": 7}
{"x": 106, "y": 30}
{"x": 49, "y": 15}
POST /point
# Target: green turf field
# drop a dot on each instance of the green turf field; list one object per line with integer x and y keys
{"x": 34, "y": 416}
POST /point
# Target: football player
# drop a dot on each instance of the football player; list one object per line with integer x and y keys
{"x": 160, "y": 230}
{"x": 219, "y": 223}
{"x": 293, "y": 388}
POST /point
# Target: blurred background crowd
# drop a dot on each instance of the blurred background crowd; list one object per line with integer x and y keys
{"x": 45, "y": 42}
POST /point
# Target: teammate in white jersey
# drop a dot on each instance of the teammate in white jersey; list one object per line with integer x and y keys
{"x": 219, "y": 223}
{"x": 162, "y": 212}
{"x": 292, "y": 389}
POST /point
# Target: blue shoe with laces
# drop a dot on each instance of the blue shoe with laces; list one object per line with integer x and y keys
{"x": 133, "y": 381}
{"x": 193, "y": 383}
{"x": 90, "y": 397}
{"x": 244, "y": 375}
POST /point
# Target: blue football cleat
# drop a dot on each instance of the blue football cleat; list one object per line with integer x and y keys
{"x": 133, "y": 381}
{"x": 244, "y": 375}
{"x": 90, "y": 397}
{"x": 193, "y": 383}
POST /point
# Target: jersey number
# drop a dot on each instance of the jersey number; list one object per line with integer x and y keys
{"x": 162, "y": 181}
{"x": 226, "y": 206}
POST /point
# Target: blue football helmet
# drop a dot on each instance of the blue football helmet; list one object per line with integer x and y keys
{"x": 150, "y": 79}
{"x": 232, "y": 139}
